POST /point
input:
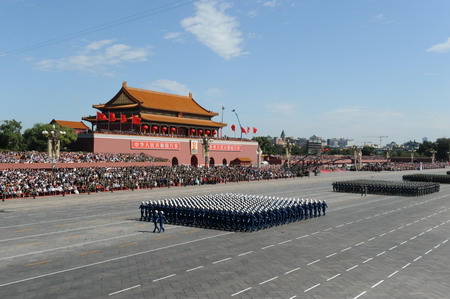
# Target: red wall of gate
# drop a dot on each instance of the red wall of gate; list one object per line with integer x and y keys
{"x": 174, "y": 147}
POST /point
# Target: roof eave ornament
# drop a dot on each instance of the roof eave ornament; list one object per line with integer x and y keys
{"x": 124, "y": 83}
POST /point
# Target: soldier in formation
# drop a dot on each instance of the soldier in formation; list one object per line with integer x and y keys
{"x": 436, "y": 178}
{"x": 236, "y": 212}
{"x": 386, "y": 187}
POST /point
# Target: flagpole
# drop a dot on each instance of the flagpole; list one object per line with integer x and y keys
{"x": 221, "y": 129}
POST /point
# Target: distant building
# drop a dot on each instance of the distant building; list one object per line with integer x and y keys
{"x": 279, "y": 141}
{"x": 344, "y": 142}
{"x": 425, "y": 139}
{"x": 333, "y": 142}
{"x": 314, "y": 147}
{"x": 300, "y": 142}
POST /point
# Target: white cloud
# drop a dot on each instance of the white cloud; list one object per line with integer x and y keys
{"x": 98, "y": 44}
{"x": 214, "y": 92}
{"x": 271, "y": 3}
{"x": 215, "y": 29}
{"x": 281, "y": 108}
{"x": 440, "y": 48}
{"x": 176, "y": 37}
{"x": 381, "y": 18}
{"x": 97, "y": 57}
{"x": 169, "y": 86}
{"x": 253, "y": 13}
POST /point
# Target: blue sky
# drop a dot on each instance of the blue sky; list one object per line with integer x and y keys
{"x": 348, "y": 69}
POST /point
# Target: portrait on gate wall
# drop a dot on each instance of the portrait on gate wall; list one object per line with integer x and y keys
{"x": 194, "y": 147}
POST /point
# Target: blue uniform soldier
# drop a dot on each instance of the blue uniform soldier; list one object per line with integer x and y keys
{"x": 324, "y": 206}
{"x": 161, "y": 219}
{"x": 142, "y": 208}
{"x": 319, "y": 207}
{"x": 305, "y": 209}
{"x": 155, "y": 221}
{"x": 310, "y": 209}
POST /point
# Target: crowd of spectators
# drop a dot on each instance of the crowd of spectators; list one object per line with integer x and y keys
{"x": 74, "y": 157}
{"x": 16, "y": 183}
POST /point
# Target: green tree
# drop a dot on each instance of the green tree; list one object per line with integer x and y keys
{"x": 297, "y": 151}
{"x": 36, "y": 141}
{"x": 368, "y": 151}
{"x": 443, "y": 149}
{"x": 10, "y": 135}
{"x": 265, "y": 145}
{"x": 426, "y": 147}
{"x": 279, "y": 149}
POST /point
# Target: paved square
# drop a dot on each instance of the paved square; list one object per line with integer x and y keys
{"x": 93, "y": 246}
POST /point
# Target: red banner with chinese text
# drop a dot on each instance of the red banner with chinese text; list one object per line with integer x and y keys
{"x": 153, "y": 145}
{"x": 225, "y": 147}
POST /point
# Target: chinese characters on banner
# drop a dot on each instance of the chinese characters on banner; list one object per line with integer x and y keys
{"x": 194, "y": 144}
{"x": 155, "y": 145}
{"x": 225, "y": 147}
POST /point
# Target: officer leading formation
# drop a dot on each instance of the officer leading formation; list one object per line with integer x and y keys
{"x": 386, "y": 187}
{"x": 235, "y": 212}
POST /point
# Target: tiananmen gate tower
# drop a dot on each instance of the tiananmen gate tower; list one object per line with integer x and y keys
{"x": 161, "y": 125}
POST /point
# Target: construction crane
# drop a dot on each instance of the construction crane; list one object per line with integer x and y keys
{"x": 381, "y": 138}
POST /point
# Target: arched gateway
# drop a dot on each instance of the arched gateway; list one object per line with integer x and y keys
{"x": 194, "y": 161}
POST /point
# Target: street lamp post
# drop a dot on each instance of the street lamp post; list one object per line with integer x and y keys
{"x": 412, "y": 155}
{"x": 205, "y": 142}
{"x": 53, "y": 144}
{"x": 259, "y": 153}
{"x": 239, "y": 121}
{"x": 433, "y": 157}
{"x": 288, "y": 152}
{"x": 358, "y": 158}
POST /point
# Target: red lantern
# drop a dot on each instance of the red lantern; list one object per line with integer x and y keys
{"x": 164, "y": 129}
{"x": 200, "y": 131}
{"x": 145, "y": 127}
{"x": 214, "y": 132}
{"x": 173, "y": 129}
{"x": 155, "y": 128}
{"x": 208, "y": 131}
{"x": 192, "y": 130}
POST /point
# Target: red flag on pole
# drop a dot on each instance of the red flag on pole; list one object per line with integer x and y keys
{"x": 233, "y": 128}
{"x": 136, "y": 120}
{"x": 101, "y": 116}
{"x": 254, "y": 130}
{"x": 243, "y": 130}
{"x": 248, "y": 130}
{"x": 123, "y": 118}
{"x": 112, "y": 117}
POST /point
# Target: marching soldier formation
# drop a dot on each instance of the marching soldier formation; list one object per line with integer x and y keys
{"x": 386, "y": 187}
{"x": 436, "y": 178}
{"x": 235, "y": 212}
